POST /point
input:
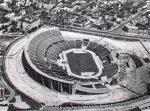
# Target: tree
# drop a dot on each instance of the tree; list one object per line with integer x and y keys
{"x": 12, "y": 4}
{"x": 44, "y": 14}
{"x": 25, "y": 1}
{"x": 3, "y": 19}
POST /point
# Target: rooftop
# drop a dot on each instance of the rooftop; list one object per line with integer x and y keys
{"x": 29, "y": 19}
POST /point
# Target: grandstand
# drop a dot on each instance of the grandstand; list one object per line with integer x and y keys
{"x": 137, "y": 61}
{"x": 62, "y": 64}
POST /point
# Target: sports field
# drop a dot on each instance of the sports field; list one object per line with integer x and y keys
{"x": 81, "y": 62}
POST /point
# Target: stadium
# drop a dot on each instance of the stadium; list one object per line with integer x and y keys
{"x": 70, "y": 63}
{"x": 80, "y": 70}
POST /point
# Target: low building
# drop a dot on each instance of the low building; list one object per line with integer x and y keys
{"x": 134, "y": 29}
{"x": 47, "y": 4}
{"x": 28, "y": 24}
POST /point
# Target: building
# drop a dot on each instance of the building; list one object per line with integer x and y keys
{"x": 47, "y": 4}
{"x": 27, "y": 24}
{"x": 134, "y": 29}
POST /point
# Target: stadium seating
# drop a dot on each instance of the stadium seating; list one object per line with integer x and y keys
{"x": 72, "y": 44}
{"x": 50, "y": 49}
{"x": 52, "y": 53}
{"x": 66, "y": 45}
{"x": 91, "y": 46}
{"x": 60, "y": 46}
{"x": 39, "y": 45}
{"x": 78, "y": 44}
{"x": 104, "y": 53}
{"x": 58, "y": 70}
{"x": 98, "y": 49}
{"x": 105, "y": 61}
{"x": 108, "y": 72}
{"x": 85, "y": 42}
{"x": 136, "y": 60}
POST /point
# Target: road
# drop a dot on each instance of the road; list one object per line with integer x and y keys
{"x": 129, "y": 19}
